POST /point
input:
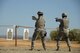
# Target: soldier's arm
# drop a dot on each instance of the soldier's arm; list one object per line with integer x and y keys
{"x": 58, "y": 19}
{"x": 44, "y": 22}
{"x": 34, "y": 18}
{"x": 35, "y": 24}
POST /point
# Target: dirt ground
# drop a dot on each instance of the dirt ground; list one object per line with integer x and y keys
{"x": 23, "y": 46}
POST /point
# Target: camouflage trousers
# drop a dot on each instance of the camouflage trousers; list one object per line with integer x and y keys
{"x": 63, "y": 34}
{"x": 42, "y": 34}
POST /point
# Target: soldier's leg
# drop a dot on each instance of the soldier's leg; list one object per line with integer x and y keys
{"x": 42, "y": 39}
{"x": 68, "y": 41}
{"x": 33, "y": 39}
{"x": 58, "y": 40}
{"x": 68, "y": 44}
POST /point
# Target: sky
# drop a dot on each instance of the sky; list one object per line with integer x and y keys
{"x": 20, "y": 12}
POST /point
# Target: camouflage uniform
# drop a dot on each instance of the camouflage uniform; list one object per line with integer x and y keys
{"x": 39, "y": 28}
{"x": 63, "y": 30}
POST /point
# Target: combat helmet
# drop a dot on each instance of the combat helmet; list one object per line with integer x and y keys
{"x": 40, "y": 13}
{"x": 64, "y": 15}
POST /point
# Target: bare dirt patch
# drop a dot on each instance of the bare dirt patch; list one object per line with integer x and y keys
{"x": 23, "y": 46}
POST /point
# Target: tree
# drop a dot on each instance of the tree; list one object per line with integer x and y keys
{"x": 74, "y": 35}
{"x": 53, "y": 35}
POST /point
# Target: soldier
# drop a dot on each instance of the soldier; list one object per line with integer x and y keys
{"x": 63, "y": 30}
{"x": 39, "y": 28}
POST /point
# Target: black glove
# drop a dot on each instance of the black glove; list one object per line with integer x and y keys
{"x": 45, "y": 34}
{"x": 56, "y": 19}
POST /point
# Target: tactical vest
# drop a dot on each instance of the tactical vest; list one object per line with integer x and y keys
{"x": 65, "y": 23}
{"x": 40, "y": 23}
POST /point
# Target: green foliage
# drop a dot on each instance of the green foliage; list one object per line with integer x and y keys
{"x": 53, "y": 35}
{"x": 74, "y": 35}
